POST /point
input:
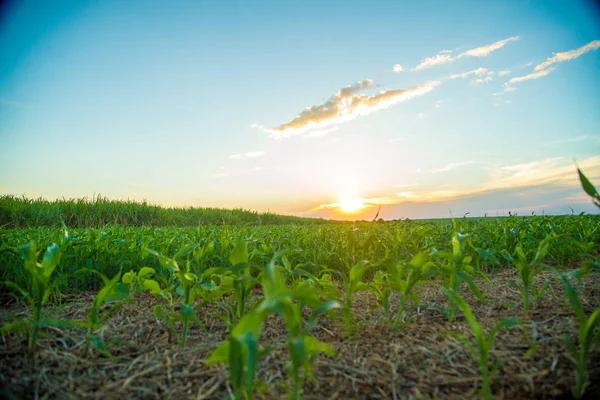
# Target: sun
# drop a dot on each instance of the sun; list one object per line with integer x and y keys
{"x": 351, "y": 205}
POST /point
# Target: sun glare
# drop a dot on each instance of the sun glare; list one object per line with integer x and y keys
{"x": 351, "y": 205}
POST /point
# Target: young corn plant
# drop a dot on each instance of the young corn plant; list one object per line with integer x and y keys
{"x": 383, "y": 292}
{"x": 137, "y": 282}
{"x": 242, "y": 351}
{"x": 588, "y": 336}
{"x": 483, "y": 343}
{"x": 456, "y": 268}
{"x": 404, "y": 277}
{"x": 352, "y": 284}
{"x": 186, "y": 280}
{"x": 113, "y": 291}
{"x": 528, "y": 271}
{"x": 39, "y": 286}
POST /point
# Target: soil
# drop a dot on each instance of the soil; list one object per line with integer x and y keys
{"x": 417, "y": 360}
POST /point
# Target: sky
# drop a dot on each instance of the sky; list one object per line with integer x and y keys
{"x": 316, "y": 108}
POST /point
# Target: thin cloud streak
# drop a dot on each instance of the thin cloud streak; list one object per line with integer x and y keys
{"x": 568, "y": 55}
{"x": 484, "y": 51}
{"x": 444, "y": 56}
{"x": 533, "y": 75}
{"x": 550, "y": 171}
{"x": 249, "y": 154}
{"x": 346, "y": 105}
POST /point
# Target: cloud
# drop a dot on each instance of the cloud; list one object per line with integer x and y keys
{"x": 346, "y": 105}
{"x": 249, "y": 154}
{"x": 502, "y": 103}
{"x": 484, "y": 74}
{"x": 254, "y": 154}
{"x": 533, "y": 75}
{"x": 487, "y": 79}
{"x": 504, "y": 72}
{"x": 398, "y": 68}
{"x": 451, "y": 166}
{"x": 581, "y": 138}
{"x": 568, "y": 55}
{"x": 484, "y": 51}
{"x": 543, "y": 70}
{"x": 478, "y": 72}
{"x": 444, "y": 56}
{"x": 440, "y": 58}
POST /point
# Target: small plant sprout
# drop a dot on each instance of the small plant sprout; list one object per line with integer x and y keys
{"x": 186, "y": 280}
{"x": 483, "y": 343}
{"x": 588, "y": 335}
{"x": 352, "y": 284}
{"x": 139, "y": 281}
{"x": 404, "y": 277}
{"x": 242, "y": 351}
{"x": 456, "y": 268}
{"x": 529, "y": 270}
{"x": 113, "y": 291}
{"x": 39, "y": 286}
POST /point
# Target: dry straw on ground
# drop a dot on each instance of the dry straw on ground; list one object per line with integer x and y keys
{"x": 418, "y": 360}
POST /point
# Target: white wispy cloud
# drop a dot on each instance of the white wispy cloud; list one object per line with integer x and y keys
{"x": 502, "y": 103}
{"x": 484, "y": 75}
{"x": 533, "y": 75}
{"x": 543, "y": 68}
{"x": 440, "y": 58}
{"x": 445, "y": 56}
{"x": 452, "y": 166}
{"x": 249, "y": 154}
{"x": 397, "y": 68}
{"x": 558, "y": 172}
{"x": 568, "y": 55}
{"x": 478, "y": 72}
{"x": 346, "y": 105}
{"x": 484, "y": 51}
{"x": 594, "y": 138}
{"x": 504, "y": 72}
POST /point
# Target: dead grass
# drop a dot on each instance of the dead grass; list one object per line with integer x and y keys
{"x": 418, "y": 360}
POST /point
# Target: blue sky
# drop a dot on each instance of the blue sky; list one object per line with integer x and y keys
{"x": 425, "y": 108}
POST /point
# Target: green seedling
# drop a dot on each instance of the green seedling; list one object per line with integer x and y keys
{"x": 186, "y": 280}
{"x": 352, "y": 284}
{"x": 139, "y": 281}
{"x": 404, "y": 277}
{"x": 242, "y": 351}
{"x": 456, "y": 268}
{"x": 529, "y": 270}
{"x": 113, "y": 291}
{"x": 383, "y": 292}
{"x": 39, "y": 286}
{"x": 588, "y": 336}
{"x": 244, "y": 283}
{"x": 483, "y": 343}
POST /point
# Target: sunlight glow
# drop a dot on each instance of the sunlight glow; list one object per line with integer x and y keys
{"x": 351, "y": 205}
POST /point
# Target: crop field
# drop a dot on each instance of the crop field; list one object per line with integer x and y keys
{"x": 503, "y": 307}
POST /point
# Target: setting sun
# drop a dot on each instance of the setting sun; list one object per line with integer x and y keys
{"x": 351, "y": 205}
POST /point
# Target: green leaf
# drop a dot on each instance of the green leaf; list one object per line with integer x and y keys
{"x": 50, "y": 260}
{"x": 152, "y": 286}
{"x": 220, "y": 354}
{"x": 314, "y": 346}
{"x": 145, "y": 272}
{"x": 587, "y": 185}
{"x": 128, "y": 277}
{"x": 190, "y": 313}
{"x": 239, "y": 255}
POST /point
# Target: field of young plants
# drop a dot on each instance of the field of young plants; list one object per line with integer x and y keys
{"x": 465, "y": 308}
